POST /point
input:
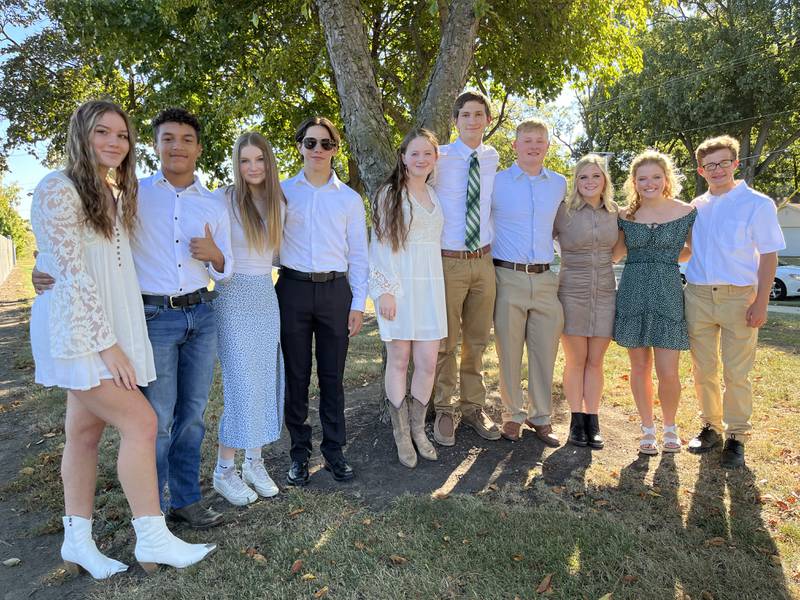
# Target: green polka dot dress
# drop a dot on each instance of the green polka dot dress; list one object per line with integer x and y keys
{"x": 649, "y": 309}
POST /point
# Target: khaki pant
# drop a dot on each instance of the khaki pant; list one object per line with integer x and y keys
{"x": 527, "y": 312}
{"x": 715, "y": 315}
{"x": 469, "y": 291}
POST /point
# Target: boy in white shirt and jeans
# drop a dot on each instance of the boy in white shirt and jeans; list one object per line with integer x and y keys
{"x": 735, "y": 242}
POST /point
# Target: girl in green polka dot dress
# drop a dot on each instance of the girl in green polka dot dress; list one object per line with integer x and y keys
{"x": 655, "y": 233}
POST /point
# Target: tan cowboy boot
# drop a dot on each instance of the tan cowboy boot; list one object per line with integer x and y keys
{"x": 402, "y": 434}
{"x": 416, "y": 414}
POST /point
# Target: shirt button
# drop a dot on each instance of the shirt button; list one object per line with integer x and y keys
{"x": 176, "y": 218}
{"x": 177, "y": 241}
{"x": 179, "y": 264}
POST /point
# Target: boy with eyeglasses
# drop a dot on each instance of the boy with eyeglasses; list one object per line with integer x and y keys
{"x": 321, "y": 291}
{"x": 735, "y": 242}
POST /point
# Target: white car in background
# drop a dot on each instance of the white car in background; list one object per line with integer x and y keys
{"x": 787, "y": 281}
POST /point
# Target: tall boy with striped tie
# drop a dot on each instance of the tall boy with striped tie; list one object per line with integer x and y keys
{"x": 464, "y": 183}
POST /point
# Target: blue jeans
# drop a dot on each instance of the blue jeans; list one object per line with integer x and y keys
{"x": 184, "y": 344}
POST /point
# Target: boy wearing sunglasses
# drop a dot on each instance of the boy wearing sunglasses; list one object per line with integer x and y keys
{"x": 321, "y": 291}
{"x": 735, "y": 242}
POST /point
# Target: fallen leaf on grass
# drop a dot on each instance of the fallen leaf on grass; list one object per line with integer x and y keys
{"x": 630, "y": 579}
{"x": 517, "y": 557}
{"x": 715, "y": 541}
{"x": 615, "y": 474}
{"x": 437, "y": 525}
{"x": 545, "y": 586}
{"x": 296, "y": 566}
{"x": 782, "y": 505}
{"x": 297, "y": 511}
{"x": 776, "y": 560}
{"x": 27, "y": 471}
{"x": 49, "y": 435}
{"x": 359, "y": 545}
{"x": 308, "y": 577}
{"x": 367, "y": 521}
{"x": 607, "y": 596}
{"x": 559, "y": 489}
{"x": 321, "y": 592}
{"x": 706, "y": 596}
{"x": 396, "y": 559}
{"x": 601, "y": 502}
{"x": 401, "y": 535}
{"x": 11, "y": 562}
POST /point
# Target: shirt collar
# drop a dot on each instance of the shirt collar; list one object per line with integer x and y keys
{"x": 583, "y": 203}
{"x": 334, "y": 180}
{"x": 517, "y": 172}
{"x": 465, "y": 151}
{"x": 196, "y": 185}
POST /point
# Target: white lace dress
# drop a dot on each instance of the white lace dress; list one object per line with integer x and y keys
{"x": 413, "y": 275}
{"x": 95, "y": 302}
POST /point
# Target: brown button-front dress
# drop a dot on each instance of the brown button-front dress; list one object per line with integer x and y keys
{"x": 587, "y": 288}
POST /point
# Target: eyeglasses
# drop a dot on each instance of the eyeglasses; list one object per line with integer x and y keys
{"x": 310, "y": 143}
{"x": 713, "y": 166}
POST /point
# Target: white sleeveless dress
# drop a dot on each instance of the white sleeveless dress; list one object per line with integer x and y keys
{"x": 95, "y": 302}
{"x": 413, "y": 275}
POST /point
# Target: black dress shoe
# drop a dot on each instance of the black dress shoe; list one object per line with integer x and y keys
{"x": 298, "y": 473}
{"x": 732, "y": 454}
{"x": 577, "y": 430}
{"x": 704, "y": 441}
{"x": 593, "y": 436}
{"x": 196, "y": 516}
{"x": 340, "y": 470}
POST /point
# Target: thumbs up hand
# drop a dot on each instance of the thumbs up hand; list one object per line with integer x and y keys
{"x": 206, "y": 250}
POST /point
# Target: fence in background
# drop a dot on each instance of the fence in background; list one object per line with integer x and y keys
{"x": 8, "y": 257}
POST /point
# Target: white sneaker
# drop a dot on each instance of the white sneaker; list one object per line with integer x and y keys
{"x": 254, "y": 473}
{"x": 231, "y": 487}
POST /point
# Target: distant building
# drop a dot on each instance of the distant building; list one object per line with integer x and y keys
{"x": 789, "y": 219}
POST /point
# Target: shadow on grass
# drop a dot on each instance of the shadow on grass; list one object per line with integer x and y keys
{"x": 781, "y": 332}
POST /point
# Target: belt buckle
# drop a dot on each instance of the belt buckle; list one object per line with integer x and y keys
{"x": 530, "y": 269}
{"x": 171, "y": 304}
{"x": 319, "y": 277}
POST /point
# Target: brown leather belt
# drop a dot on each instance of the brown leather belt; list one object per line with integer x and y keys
{"x": 535, "y": 268}
{"x": 479, "y": 253}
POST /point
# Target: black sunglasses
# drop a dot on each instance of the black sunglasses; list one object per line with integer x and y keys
{"x": 310, "y": 143}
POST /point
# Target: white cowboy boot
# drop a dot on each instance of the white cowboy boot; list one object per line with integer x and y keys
{"x": 155, "y": 545}
{"x": 80, "y": 552}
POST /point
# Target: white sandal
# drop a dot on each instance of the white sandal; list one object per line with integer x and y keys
{"x": 671, "y": 441}
{"x": 647, "y": 443}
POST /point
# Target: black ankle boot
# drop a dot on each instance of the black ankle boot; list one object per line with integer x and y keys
{"x": 577, "y": 430}
{"x": 592, "y": 426}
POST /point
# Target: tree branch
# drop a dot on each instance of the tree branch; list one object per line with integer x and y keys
{"x": 501, "y": 117}
{"x": 450, "y": 69}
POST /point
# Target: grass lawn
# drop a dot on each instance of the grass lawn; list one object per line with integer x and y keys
{"x": 560, "y": 524}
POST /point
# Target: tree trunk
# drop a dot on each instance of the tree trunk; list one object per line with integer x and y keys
{"x": 449, "y": 73}
{"x": 368, "y": 133}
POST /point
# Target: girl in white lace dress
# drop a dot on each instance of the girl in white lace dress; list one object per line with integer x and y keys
{"x": 88, "y": 335}
{"x": 407, "y": 285}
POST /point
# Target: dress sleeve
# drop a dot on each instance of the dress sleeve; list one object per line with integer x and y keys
{"x": 383, "y": 277}
{"x": 78, "y": 324}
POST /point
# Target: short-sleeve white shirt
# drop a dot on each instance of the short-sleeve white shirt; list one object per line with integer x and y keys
{"x": 730, "y": 234}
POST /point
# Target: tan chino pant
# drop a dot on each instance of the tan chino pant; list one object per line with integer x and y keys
{"x": 469, "y": 293}
{"x": 715, "y": 315}
{"x": 527, "y": 313}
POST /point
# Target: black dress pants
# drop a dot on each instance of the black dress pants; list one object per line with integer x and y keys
{"x": 322, "y": 310}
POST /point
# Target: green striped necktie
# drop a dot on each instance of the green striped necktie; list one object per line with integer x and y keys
{"x": 472, "y": 236}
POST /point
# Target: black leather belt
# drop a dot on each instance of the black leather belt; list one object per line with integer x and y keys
{"x": 314, "y": 277}
{"x": 534, "y": 268}
{"x": 197, "y": 297}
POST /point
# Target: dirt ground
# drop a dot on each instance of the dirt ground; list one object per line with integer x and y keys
{"x": 471, "y": 466}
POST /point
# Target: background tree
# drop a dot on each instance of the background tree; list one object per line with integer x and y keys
{"x": 11, "y": 224}
{"x": 379, "y": 66}
{"x": 709, "y": 68}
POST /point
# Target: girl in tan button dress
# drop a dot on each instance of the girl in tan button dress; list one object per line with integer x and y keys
{"x": 586, "y": 229}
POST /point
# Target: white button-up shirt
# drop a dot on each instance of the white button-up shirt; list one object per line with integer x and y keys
{"x": 730, "y": 233}
{"x": 450, "y": 183}
{"x": 168, "y": 220}
{"x": 523, "y": 210}
{"x": 326, "y": 230}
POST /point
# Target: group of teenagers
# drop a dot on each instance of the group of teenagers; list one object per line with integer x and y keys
{"x": 125, "y": 321}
